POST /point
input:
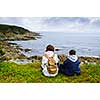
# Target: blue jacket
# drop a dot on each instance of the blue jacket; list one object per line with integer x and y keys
{"x": 69, "y": 67}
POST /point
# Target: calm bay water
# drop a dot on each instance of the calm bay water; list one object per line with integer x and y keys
{"x": 86, "y": 44}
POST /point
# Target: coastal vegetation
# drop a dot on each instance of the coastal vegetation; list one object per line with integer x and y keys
{"x": 31, "y": 73}
{"x": 11, "y": 32}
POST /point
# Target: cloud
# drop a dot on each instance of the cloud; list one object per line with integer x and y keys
{"x": 68, "y": 24}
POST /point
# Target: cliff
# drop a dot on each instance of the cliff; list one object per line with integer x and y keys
{"x": 10, "y": 32}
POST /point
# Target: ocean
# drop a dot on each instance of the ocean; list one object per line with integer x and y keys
{"x": 86, "y": 44}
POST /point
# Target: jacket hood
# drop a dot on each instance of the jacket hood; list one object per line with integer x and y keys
{"x": 73, "y": 58}
{"x": 49, "y": 53}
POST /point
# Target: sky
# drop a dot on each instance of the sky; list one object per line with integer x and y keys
{"x": 65, "y": 24}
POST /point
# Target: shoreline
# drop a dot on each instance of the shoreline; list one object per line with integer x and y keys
{"x": 13, "y": 54}
{"x": 35, "y": 58}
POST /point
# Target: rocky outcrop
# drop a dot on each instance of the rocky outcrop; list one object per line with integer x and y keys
{"x": 9, "y": 52}
{"x": 62, "y": 57}
{"x": 9, "y": 32}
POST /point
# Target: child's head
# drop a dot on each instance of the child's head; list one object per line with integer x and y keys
{"x": 72, "y": 52}
{"x": 50, "y": 48}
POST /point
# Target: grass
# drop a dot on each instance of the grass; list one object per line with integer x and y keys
{"x": 31, "y": 73}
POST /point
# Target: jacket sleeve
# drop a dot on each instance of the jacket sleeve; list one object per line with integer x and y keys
{"x": 79, "y": 61}
{"x": 65, "y": 62}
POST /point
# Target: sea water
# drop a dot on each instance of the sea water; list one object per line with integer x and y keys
{"x": 86, "y": 44}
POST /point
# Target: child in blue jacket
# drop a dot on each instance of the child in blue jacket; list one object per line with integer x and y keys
{"x": 70, "y": 66}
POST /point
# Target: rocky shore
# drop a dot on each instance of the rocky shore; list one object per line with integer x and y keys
{"x": 12, "y": 52}
{"x": 62, "y": 57}
{"x": 8, "y": 52}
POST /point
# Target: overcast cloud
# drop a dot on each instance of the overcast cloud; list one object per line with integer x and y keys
{"x": 67, "y": 24}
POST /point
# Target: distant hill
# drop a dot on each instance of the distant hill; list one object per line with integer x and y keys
{"x": 10, "y": 32}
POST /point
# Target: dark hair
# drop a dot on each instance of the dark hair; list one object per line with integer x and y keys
{"x": 50, "y": 48}
{"x": 72, "y": 52}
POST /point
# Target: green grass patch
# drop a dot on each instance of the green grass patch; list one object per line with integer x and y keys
{"x": 31, "y": 73}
